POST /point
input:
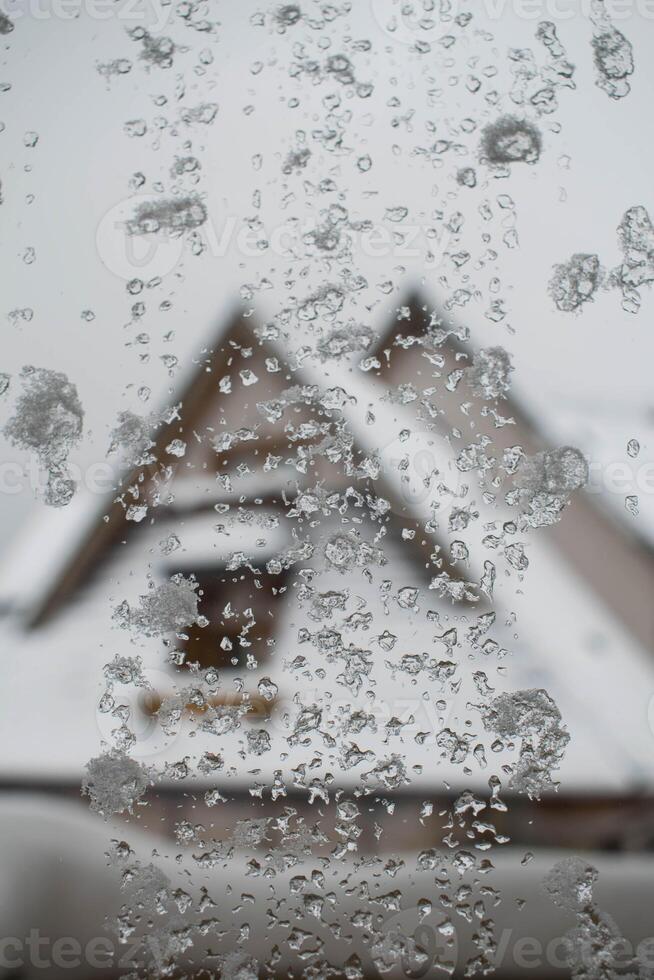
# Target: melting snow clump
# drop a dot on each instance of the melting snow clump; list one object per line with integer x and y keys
{"x": 511, "y": 140}
{"x": 175, "y": 214}
{"x": 547, "y": 481}
{"x": 575, "y": 282}
{"x": 48, "y": 420}
{"x": 614, "y": 61}
{"x": 345, "y": 551}
{"x": 166, "y": 609}
{"x": 595, "y": 948}
{"x": 490, "y": 373}
{"x": 115, "y": 782}
{"x": 558, "y": 471}
{"x": 157, "y": 51}
{"x": 131, "y": 435}
{"x": 570, "y": 883}
{"x": 533, "y": 717}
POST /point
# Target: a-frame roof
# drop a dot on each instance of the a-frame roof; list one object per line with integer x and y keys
{"x": 618, "y": 566}
{"x": 101, "y": 525}
{"x": 615, "y": 562}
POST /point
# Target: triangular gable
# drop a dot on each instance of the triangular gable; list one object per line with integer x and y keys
{"x": 617, "y": 565}
{"x": 217, "y": 398}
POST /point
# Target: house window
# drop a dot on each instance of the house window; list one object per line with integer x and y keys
{"x": 243, "y": 609}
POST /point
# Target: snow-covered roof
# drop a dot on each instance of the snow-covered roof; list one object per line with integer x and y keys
{"x": 558, "y": 635}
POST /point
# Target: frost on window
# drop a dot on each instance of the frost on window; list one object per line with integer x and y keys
{"x": 330, "y": 612}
